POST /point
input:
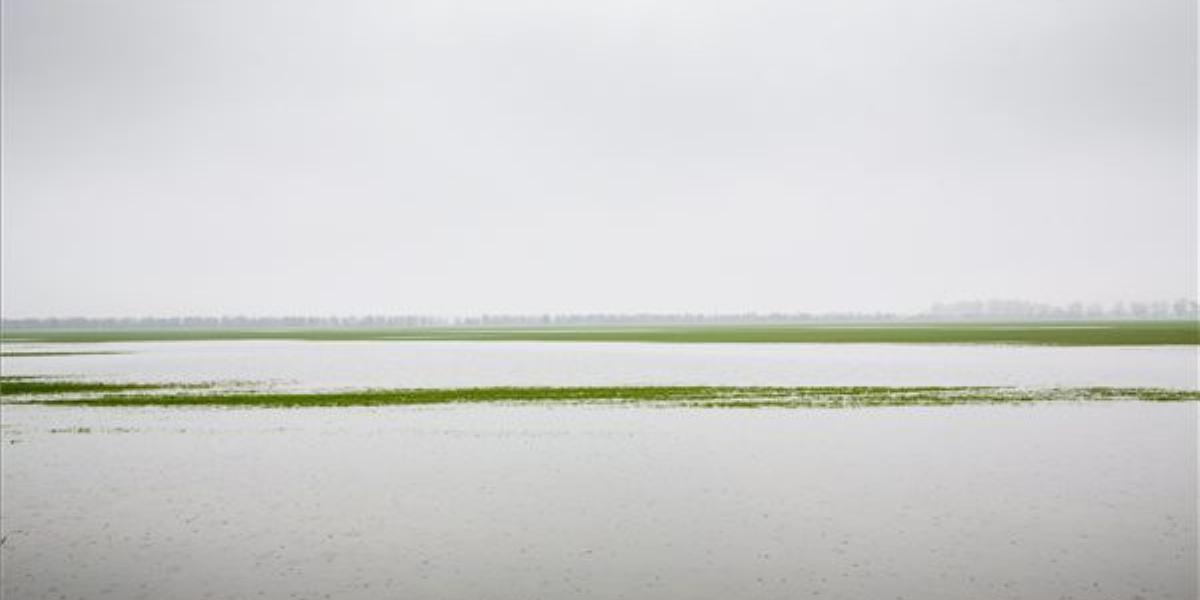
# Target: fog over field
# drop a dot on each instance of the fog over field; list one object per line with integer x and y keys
{"x": 551, "y": 156}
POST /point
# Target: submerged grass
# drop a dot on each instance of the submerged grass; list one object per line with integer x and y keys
{"x": 40, "y": 386}
{"x": 45, "y": 353}
{"x": 699, "y": 397}
{"x": 1072, "y": 333}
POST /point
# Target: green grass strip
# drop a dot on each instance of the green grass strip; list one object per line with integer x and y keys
{"x": 39, "y": 386}
{"x": 699, "y": 397}
{"x": 47, "y": 353}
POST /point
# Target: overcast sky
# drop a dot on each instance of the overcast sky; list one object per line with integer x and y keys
{"x": 249, "y": 157}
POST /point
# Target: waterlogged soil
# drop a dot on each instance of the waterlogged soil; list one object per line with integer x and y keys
{"x": 1083, "y": 500}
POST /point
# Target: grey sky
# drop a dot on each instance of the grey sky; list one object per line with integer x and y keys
{"x": 165, "y": 157}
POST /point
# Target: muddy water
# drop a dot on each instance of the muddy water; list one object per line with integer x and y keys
{"x": 471, "y": 502}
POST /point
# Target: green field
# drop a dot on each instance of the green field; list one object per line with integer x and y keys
{"x": 87, "y": 393}
{"x": 45, "y": 353}
{"x": 1100, "y": 333}
{"x": 40, "y": 386}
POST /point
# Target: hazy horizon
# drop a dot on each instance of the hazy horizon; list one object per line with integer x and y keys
{"x": 984, "y": 310}
{"x": 164, "y": 158}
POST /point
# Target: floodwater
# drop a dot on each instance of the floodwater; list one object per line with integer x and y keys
{"x": 1088, "y": 500}
{"x": 1043, "y": 501}
{"x": 321, "y": 365}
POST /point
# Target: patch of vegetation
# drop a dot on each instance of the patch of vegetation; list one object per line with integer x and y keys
{"x": 700, "y": 397}
{"x": 42, "y": 353}
{"x": 37, "y": 386}
{"x": 1073, "y": 333}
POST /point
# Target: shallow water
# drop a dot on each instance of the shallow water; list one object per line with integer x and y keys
{"x": 316, "y": 365}
{"x": 1092, "y": 500}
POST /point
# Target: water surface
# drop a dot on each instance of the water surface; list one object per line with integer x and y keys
{"x": 1093, "y": 500}
{"x": 319, "y": 365}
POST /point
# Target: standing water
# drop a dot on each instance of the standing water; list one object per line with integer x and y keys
{"x": 1042, "y": 501}
{"x": 1094, "y": 500}
{"x": 316, "y": 365}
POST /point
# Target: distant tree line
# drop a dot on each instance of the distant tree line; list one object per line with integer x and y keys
{"x": 503, "y": 320}
{"x": 225, "y": 322}
{"x": 1184, "y": 309}
{"x": 403, "y": 321}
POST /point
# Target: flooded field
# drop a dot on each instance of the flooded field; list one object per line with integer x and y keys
{"x": 336, "y": 364}
{"x": 1045, "y": 500}
{"x": 1093, "y": 500}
